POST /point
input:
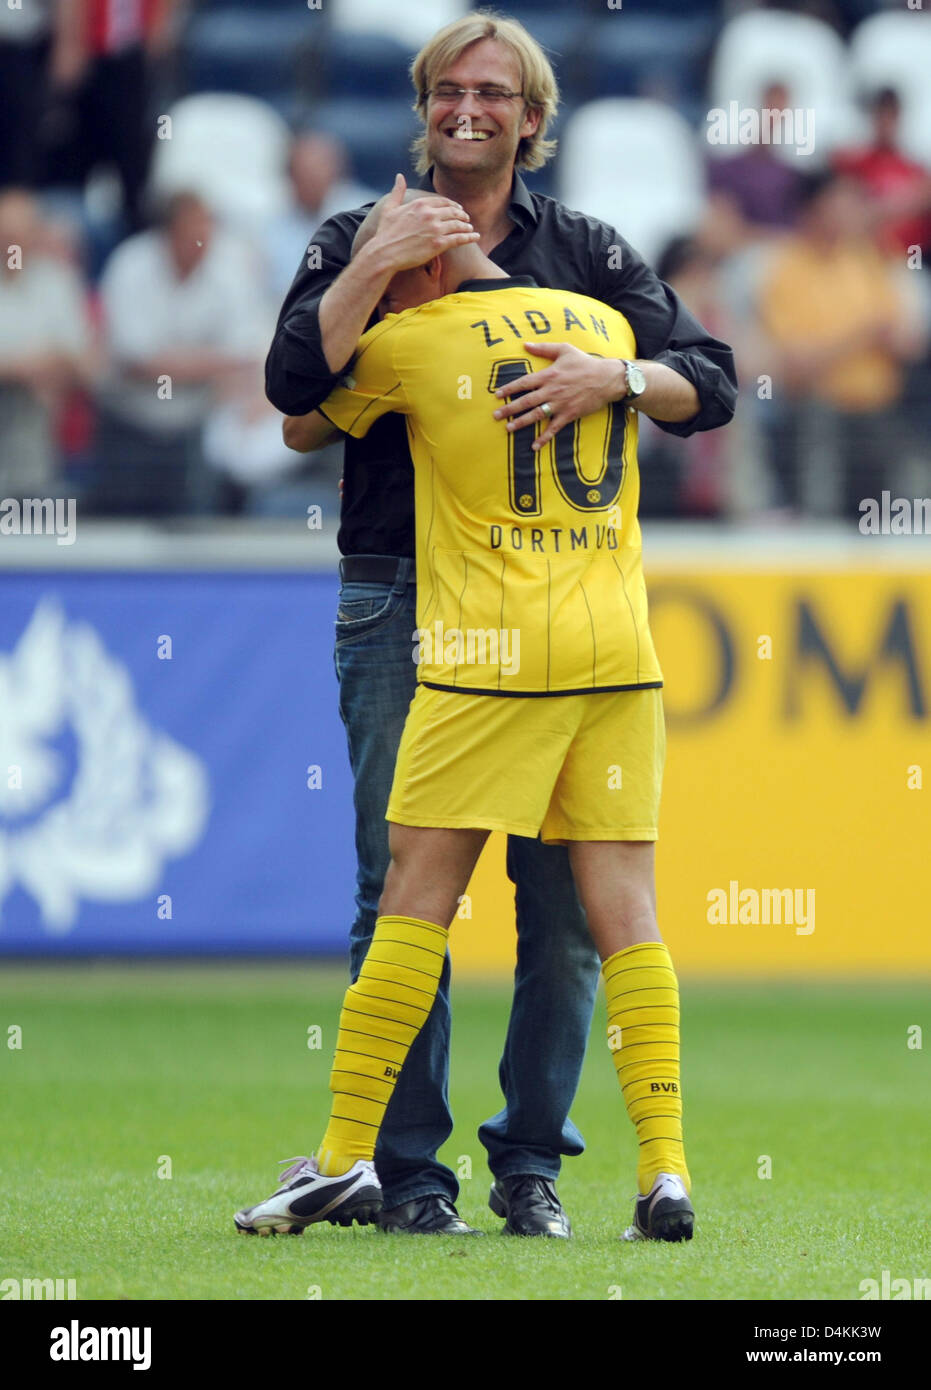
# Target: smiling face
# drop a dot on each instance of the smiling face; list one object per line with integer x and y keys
{"x": 467, "y": 136}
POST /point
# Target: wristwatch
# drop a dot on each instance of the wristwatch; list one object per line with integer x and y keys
{"x": 636, "y": 381}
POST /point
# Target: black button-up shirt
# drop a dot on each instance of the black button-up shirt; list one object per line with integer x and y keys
{"x": 559, "y": 249}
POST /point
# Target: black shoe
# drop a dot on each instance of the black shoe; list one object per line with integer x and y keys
{"x": 665, "y": 1213}
{"x": 432, "y": 1215}
{"x": 530, "y": 1204}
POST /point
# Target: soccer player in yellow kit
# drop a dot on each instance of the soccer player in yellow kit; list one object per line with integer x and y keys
{"x": 538, "y": 708}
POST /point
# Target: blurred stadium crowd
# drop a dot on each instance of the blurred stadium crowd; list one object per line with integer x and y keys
{"x": 165, "y": 165}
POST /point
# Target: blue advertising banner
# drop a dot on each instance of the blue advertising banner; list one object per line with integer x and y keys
{"x": 173, "y": 769}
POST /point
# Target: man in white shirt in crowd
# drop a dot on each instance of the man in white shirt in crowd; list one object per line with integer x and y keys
{"x": 45, "y": 349}
{"x": 184, "y": 319}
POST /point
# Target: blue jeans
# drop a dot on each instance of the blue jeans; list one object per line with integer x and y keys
{"x": 557, "y": 966}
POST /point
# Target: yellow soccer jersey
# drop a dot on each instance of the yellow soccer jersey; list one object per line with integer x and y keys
{"x": 529, "y": 576}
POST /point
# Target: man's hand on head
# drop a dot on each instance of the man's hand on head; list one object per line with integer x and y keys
{"x": 410, "y": 234}
{"x": 395, "y": 237}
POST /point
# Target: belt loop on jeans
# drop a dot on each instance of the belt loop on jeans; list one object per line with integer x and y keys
{"x": 378, "y": 569}
{"x": 405, "y": 574}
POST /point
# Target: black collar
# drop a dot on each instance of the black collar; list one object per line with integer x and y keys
{"x": 511, "y": 282}
{"x": 521, "y": 201}
{"x": 520, "y": 198}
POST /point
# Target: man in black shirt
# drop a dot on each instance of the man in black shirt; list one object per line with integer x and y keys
{"x": 486, "y": 93}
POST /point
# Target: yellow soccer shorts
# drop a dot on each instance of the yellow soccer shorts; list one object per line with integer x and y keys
{"x": 566, "y": 767}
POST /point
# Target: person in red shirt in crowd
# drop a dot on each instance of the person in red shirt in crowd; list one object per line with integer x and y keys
{"x": 899, "y": 188}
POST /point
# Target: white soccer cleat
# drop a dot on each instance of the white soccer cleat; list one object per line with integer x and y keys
{"x": 307, "y": 1197}
{"x": 665, "y": 1213}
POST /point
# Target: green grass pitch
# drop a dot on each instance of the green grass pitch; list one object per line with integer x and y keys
{"x": 209, "y": 1067}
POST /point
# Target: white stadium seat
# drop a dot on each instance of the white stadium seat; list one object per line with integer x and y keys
{"x": 232, "y": 150}
{"x": 634, "y": 164}
{"x": 894, "y": 50}
{"x": 764, "y": 46}
{"x": 413, "y": 22}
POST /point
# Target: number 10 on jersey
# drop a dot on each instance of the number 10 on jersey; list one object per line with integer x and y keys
{"x": 586, "y": 494}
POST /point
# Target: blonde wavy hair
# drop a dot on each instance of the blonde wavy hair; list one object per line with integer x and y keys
{"x": 537, "y": 80}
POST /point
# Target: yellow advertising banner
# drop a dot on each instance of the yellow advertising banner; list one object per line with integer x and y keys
{"x": 795, "y": 831}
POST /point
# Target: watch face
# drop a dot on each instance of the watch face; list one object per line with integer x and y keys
{"x": 636, "y": 381}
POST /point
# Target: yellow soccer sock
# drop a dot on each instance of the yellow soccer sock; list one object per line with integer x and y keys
{"x": 381, "y": 1016}
{"x": 643, "y": 1034}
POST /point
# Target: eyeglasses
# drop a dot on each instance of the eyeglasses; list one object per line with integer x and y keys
{"x": 488, "y": 96}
